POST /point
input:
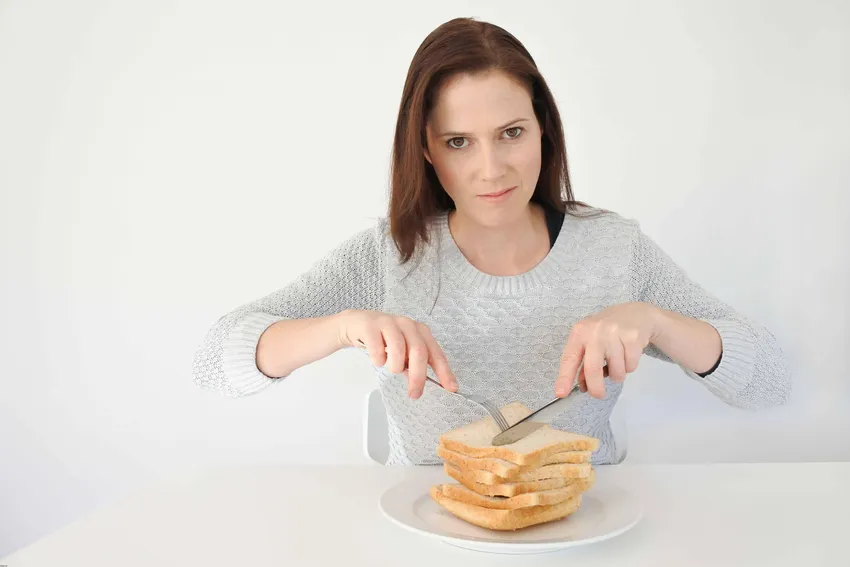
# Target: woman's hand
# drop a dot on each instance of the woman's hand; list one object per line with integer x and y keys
{"x": 400, "y": 344}
{"x": 615, "y": 336}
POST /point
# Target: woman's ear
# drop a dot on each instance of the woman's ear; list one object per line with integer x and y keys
{"x": 427, "y": 156}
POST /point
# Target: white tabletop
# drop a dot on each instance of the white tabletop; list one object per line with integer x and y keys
{"x": 736, "y": 514}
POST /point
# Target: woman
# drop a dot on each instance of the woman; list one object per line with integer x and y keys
{"x": 490, "y": 275}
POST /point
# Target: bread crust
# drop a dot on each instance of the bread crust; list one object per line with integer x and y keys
{"x": 506, "y": 519}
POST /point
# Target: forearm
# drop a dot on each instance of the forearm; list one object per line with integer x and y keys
{"x": 290, "y": 344}
{"x": 296, "y": 319}
{"x": 696, "y": 327}
{"x": 691, "y": 343}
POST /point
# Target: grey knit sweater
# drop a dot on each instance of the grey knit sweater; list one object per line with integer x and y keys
{"x": 503, "y": 335}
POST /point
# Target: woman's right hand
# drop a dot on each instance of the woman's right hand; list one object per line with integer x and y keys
{"x": 400, "y": 344}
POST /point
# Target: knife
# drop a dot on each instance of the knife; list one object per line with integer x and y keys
{"x": 535, "y": 420}
{"x": 543, "y": 416}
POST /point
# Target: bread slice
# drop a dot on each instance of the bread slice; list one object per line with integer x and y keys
{"x": 474, "y": 440}
{"x": 506, "y": 519}
{"x": 506, "y": 469}
{"x": 544, "y": 498}
{"x": 563, "y": 470}
{"x": 505, "y": 488}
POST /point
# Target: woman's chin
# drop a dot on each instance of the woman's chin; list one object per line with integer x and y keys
{"x": 495, "y": 217}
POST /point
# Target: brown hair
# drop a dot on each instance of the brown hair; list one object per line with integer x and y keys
{"x": 464, "y": 45}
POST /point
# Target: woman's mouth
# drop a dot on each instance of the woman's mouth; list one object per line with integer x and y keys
{"x": 498, "y": 196}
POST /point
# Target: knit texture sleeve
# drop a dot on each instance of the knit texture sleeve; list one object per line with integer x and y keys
{"x": 753, "y": 372}
{"x": 349, "y": 277}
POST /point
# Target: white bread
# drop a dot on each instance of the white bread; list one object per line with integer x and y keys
{"x": 506, "y": 469}
{"x": 505, "y": 488}
{"x": 506, "y": 519}
{"x": 561, "y": 470}
{"x": 461, "y": 493}
{"x": 475, "y": 440}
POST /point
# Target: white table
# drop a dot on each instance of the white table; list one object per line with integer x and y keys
{"x": 741, "y": 514}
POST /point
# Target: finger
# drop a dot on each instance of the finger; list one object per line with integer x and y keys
{"x": 616, "y": 360}
{"x": 570, "y": 361}
{"x": 594, "y": 358}
{"x": 437, "y": 360}
{"x": 417, "y": 360}
{"x": 396, "y": 348}
{"x": 632, "y": 356}
{"x": 581, "y": 380}
{"x": 374, "y": 343}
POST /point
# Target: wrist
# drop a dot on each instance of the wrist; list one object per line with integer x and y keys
{"x": 339, "y": 324}
{"x": 659, "y": 322}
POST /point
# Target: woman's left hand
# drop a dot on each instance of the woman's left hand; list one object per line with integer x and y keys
{"x": 615, "y": 336}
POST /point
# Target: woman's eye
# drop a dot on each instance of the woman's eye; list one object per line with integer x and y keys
{"x": 452, "y": 143}
{"x": 514, "y": 132}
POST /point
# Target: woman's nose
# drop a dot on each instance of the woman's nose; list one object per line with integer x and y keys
{"x": 492, "y": 164}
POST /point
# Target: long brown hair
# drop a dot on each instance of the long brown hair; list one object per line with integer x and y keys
{"x": 464, "y": 45}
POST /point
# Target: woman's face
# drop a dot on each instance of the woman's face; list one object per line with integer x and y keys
{"x": 484, "y": 143}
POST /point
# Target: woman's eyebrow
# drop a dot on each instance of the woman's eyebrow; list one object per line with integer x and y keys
{"x": 463, "y": 134}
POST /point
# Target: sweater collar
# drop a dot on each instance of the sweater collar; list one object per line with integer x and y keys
{"x": 544, "y": 274}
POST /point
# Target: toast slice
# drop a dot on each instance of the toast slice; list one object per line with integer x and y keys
{"x": 506, "y": 519}
{"x": 506, "y": 469}
{"x": 461, "y": 493}
{"x": 474, "y": 440}
{"x": 505, "y": 488}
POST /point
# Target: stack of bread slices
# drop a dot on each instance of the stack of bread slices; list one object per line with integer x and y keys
{"x": 538, "y": 479}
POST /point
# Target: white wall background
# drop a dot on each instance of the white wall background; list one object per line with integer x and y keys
{"x": 164, "y": 162}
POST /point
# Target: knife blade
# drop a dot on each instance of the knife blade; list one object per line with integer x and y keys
{"x": 535, "y": 420}
{"x": 543, "y": 416}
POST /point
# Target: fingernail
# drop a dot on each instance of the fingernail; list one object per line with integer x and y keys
{"x": 560, "y": 391}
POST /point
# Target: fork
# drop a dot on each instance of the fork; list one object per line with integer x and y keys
{"x": 484, "y": 403}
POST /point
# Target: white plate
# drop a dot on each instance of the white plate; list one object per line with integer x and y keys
{"x": 606, "y": 511}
